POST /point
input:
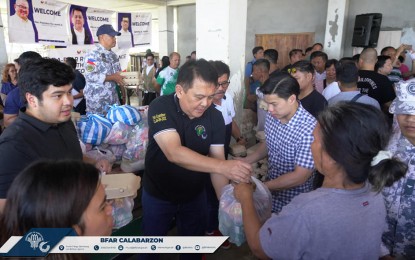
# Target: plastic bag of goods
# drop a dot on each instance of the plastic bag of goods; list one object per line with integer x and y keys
{"x": 230, "y": 211}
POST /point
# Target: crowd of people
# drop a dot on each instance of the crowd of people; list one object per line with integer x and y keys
{"x": 339, "y": 138}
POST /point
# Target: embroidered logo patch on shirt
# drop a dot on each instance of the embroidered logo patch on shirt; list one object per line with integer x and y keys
{"x": 159, "y": 118}
{"x": 90, "y": 65}
{"x": 201, "y": 131}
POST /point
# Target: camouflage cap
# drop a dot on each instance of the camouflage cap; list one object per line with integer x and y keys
{"x": 404, "y": 103}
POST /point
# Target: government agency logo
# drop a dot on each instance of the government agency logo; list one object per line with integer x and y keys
{"x": 36, "y": 241}
{"x": 201, "y": 131}
{"x": 411, "y": 88}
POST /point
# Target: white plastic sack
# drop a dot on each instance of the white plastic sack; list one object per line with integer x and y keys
{"x": 230, "y": 211}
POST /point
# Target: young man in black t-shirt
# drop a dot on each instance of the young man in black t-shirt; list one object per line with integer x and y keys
{"x": 309, "y": 97}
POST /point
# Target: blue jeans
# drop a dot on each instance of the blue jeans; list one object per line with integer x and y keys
{"x": 158, "y": 215}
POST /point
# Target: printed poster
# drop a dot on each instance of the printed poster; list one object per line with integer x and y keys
{"x": 20, "y": 21}
{"x": 125, "y": 40}
{"x": 39, "y": 21}
{"x": 141, "y": 28}
{"x": 96, "y": 18}
{"x": 79, "y": 28}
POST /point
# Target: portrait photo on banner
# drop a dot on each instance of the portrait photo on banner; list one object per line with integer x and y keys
{"x": 80, "y": 31}
{"x": 21, "y": 26}
{"x": 125, "y": 40}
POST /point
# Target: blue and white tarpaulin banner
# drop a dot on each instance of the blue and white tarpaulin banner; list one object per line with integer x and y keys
{"x": 38, "y": 21}
{"x": 20, "y": 22}
{"x": 78, "y": 52}
{"x": 141, "y": 27}
{"x": 125, "y": 40}
{"x": 96, "y": 18}
{"x": 53, "y": 23}
{"x": 39, "y": 242}
{"x": 75, "y": 51}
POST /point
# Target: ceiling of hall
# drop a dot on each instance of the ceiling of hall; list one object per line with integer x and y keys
{"x": 122, "y": 5}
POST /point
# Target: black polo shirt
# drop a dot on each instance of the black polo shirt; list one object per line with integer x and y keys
{"x": 28, "y": 140}
{"x": 168, "y": 181}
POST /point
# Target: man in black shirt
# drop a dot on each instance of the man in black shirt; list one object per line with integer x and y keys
{"x": 303, "y": 71}
{"x": 186, "y": 141}
{"x": 42, "y": 131}
{"x": 374, "y": 84}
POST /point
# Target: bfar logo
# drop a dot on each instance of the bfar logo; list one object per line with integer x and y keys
{"x": 36, "y": 241}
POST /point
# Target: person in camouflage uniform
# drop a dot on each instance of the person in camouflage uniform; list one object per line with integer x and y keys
{"x": 102, "y": 73}
{"x": 399, "y": 237}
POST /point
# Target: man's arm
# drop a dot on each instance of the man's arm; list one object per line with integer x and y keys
{"x": 243, "y": 193}
{"x": 116, "y": 77}
{"x": 236, "y": 133}
{"x": 218, "y": 181}
{"x": 103, "y": 165}
{"x": 169, "y": 143}
{"x": 157, "y": 83}
{"x": 260, "y": 153}
{"x": 290, "y": 180}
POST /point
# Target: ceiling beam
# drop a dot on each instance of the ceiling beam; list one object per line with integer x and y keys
{"x": 180, "y": 2}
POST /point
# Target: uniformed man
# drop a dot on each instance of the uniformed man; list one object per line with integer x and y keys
{"x": 400, "y": 197}
{"x": 102, "y": 73}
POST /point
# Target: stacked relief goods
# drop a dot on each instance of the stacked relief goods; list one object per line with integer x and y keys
{"x": 121, "y": 137}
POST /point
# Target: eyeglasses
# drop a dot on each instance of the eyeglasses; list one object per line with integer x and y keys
{"x": 22, "y": 7}
{"x": 292, "y": 70}
{"x": 224, "y": 84}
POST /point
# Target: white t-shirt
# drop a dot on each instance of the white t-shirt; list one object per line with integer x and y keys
{"x": 124, "y": 40}
{"x": 331, "y": 90}
{"x": 227, "y": 109}
{"x": 80, "y": 36}
{"x": 21, "y": 30}
{"x": 318, "y": 81}
{"x": 148, "y": 69}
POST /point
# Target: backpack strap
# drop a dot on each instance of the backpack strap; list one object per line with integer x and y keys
{"x": 355, "y": 98}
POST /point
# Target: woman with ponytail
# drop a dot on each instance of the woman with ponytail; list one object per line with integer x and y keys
{"x": 345, "y": 218}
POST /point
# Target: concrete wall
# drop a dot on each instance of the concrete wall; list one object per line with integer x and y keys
{"x": 395, "y": 15}
{"x": 284, "y": 16}
{"x": 186, "y": 30}
{"x": 288, "y": 16}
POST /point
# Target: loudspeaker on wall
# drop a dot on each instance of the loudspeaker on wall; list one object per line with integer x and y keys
{"x": 366, "y": 30}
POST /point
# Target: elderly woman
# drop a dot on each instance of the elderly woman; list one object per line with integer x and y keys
{"x": 61, "y": 194}
{"x": 345, "y": 218}
{"x": 8, "y": 80}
